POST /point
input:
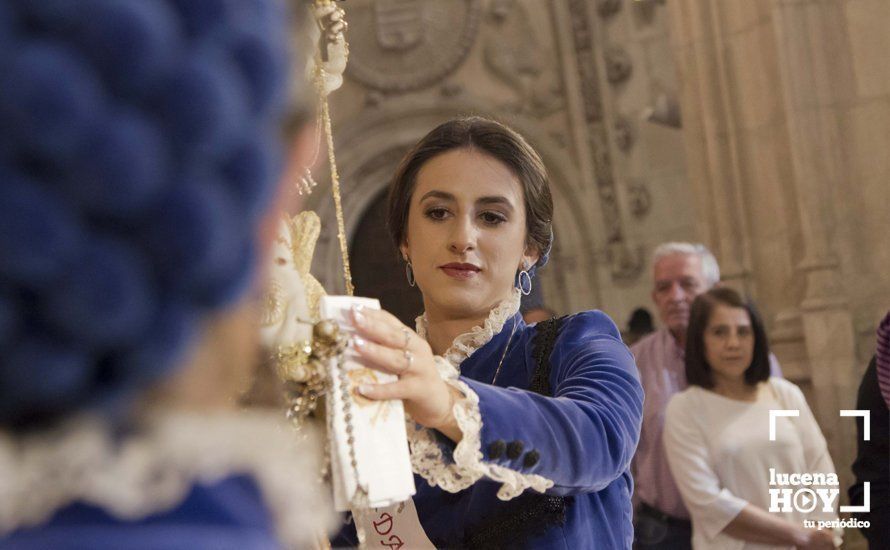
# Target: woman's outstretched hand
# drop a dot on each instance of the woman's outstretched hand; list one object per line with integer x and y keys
{"x": 389, "y": 346}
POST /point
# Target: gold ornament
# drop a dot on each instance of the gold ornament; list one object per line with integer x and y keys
{"x": 308, "y": 363}
{"x": 304, "y": 229}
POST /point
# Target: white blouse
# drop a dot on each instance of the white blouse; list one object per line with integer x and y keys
{"x": 720, "y": 456}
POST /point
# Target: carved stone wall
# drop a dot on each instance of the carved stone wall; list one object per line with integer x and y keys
{"x": 632, "y": 59}
{"x": 554, "y": 71}
{"x": 780, "y": 165}
{"x": 786, "y": 106}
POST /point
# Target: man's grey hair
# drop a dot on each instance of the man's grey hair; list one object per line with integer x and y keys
{"x": 709, "y": 267}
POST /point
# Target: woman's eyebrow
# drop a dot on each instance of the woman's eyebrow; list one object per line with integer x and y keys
{"x": 496, "y": 199}
{"x": 437, "y": 195}
{"x": 487, "y": 200}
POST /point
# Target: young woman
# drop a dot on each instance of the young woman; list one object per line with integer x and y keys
{"x": 717, "y": 436}
{"x": 134, "y": 141}
{"x": 521, "y": 436}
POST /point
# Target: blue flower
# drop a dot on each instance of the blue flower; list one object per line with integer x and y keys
{"x": 39, "y": 233}
{"x": 137, "y": 153}
{"x": 123, "y": 166}
{"x": 41, "y": 375}
{"x": 49, "y": 97}
{"x": 106, "y": 299}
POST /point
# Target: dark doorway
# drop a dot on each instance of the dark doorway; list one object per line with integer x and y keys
{"x": 377, "y": 270}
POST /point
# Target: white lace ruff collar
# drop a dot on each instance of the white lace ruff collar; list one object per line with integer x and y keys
{"x": 154, "y": 471}
{"x": 468, "y": 342}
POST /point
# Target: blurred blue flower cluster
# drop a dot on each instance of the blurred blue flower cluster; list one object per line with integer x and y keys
{"x": 139, "y": 145}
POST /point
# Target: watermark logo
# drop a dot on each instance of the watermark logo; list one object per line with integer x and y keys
{"x": 805, "y": 492}
{"x": 802, "y": 492}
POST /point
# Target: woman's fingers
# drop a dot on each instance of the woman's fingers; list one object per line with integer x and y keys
{"x": 384, "y": 392}
{"x": 380, "y": 315}
{"x": 382, "y": 327}
{"x": 393, "y": 361}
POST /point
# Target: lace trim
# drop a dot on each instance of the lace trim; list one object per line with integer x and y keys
{"x": 468, "y": 342}
{"x": 154, "y": 471}
{"x": 467, "y": 467}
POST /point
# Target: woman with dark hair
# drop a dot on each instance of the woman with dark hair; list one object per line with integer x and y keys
{"x": 139, "y": 153}
{"x": 724, "y": 451}
{"x": 521, "y": 436}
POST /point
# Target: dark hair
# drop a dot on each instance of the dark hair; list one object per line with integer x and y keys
{"x": 698, "y": 371}
{"x": 640, "y": 321}
{"x": 492, "y": 138}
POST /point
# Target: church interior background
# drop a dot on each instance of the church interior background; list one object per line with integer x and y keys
{"x": 758, "y": 127}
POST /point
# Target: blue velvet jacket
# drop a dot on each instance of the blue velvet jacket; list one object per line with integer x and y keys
{"x": 573, "y": 427}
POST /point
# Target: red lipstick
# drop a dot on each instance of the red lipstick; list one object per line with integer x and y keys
{"x": 460, "y": 270}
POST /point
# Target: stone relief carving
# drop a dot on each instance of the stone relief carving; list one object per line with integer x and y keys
{"x": 513, "y": 53}
{"x": 451, "y": 89}
{"x": 608, "y": 8}
{"x": 639, "y": 198}
{"x": 665, "y": 110}
{"x": 403, "y": 45}
{"x": 644, "y": 10}
{"x": 373, "y": 98}
{"x": 624, "y": 133}
{"x": 559, "y": 138}
{"x": 619, "y": 65}
{"x": 625, "y": 263}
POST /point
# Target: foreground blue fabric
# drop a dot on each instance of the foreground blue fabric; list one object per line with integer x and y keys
{"x": 582, "y": 439}
{"x": 226, "y": 515}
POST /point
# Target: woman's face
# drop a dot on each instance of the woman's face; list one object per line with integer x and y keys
{"x": 466, "y": 234}
{"x": 729, "y": 342}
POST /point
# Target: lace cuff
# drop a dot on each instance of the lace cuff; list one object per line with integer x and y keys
{"x": 466, "y": 465}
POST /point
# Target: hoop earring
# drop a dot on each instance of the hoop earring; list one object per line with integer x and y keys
{"x": 409, "y": 273}
{"x": 525, "y": 284}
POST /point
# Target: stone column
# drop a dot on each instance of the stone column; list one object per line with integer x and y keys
{"x": 710, "y": 128}
{"x": 759, "y": 106}
{"x": 803, "y": 28}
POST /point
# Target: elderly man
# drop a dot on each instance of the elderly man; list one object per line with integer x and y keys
{"x": 681, "y": 271}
